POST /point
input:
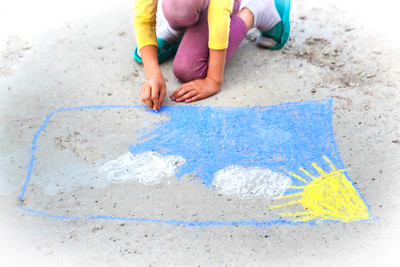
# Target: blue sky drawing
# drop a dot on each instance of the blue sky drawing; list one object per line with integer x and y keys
{"x": 281, "y": 138}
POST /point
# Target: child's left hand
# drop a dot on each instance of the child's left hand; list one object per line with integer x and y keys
{"x": 196, "y": 90}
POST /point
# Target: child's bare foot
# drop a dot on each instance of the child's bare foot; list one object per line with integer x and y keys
{"x": 266, "y": 19}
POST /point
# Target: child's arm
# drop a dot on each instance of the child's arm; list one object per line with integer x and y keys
{"x": 154, "y": 89}
{"x": 202, "y": 88}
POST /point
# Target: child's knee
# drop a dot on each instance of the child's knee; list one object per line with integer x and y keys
{"x": 185, "y": 71}
{"x": 181, "y": 14}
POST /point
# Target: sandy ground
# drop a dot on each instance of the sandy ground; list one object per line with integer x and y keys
{"x": 64, "y": 54}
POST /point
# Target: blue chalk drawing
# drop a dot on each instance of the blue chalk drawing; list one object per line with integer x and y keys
{"x": 282, "y": 138}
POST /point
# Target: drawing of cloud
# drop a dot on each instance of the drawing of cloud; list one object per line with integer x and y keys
{"x": 147, "y": 168}
{"x": 251, "y": 182}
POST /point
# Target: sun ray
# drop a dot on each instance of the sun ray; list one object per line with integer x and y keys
{"x": 301, "y": 179}
{"x": 330, "y": 163}
{"x": 291, "y": 195}
{"x": 307, "y": 173}
{"x": 283, "y": 205}
{"x": 332, "y": 173}
{"x": 318, "y": 168}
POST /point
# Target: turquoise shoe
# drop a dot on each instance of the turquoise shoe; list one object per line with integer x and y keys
{"x": 280, "y": 32}
{"x": 164, "y": 51}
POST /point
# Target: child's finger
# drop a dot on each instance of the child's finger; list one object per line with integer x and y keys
{"x": 146, "y": 96}
{"x": 192, "y": 99}
{"x": 182, "y": 90}
{"x": 155, "y": 104}
{"x": 155, "y": 97}
{"x": 187, "y": 96}
{"x": 174, "y": 94}
{"x": 161, "y": 97}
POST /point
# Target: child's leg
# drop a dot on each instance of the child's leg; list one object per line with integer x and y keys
{"x": 181, "y": 14}
{"x": 265, "y": 14}
{"x": 191, "y": 60}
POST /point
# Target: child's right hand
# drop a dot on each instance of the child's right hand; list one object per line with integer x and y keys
{"x": 154, "y": 91}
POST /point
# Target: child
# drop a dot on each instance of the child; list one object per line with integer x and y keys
{"x": 204, "y": 34}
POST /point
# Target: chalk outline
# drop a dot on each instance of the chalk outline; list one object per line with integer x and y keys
{"x": 174, "y": 222}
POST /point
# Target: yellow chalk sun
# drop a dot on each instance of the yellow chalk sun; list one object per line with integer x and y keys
{"x": 329, "y": 196}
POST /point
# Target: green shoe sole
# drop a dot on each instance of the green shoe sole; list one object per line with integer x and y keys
{"x": 164, "y": 51}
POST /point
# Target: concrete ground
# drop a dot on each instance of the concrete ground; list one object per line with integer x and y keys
{"x": 76, "y": 53}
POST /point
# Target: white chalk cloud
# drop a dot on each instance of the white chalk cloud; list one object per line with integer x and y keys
{"x": 250, "y": 182}
{"x": 150, "y": 168}
{"x": 147, "y": 168}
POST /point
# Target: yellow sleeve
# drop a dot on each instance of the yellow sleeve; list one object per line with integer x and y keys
{"x": 219, "y": 20}
{"x": 145, "y": 22}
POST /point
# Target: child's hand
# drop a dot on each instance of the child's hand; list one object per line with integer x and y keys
{"x": 196, "y": 90}
{"x": 154, "y": 91}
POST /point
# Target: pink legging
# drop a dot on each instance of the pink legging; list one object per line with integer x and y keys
{"x": 191, "y": 60}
